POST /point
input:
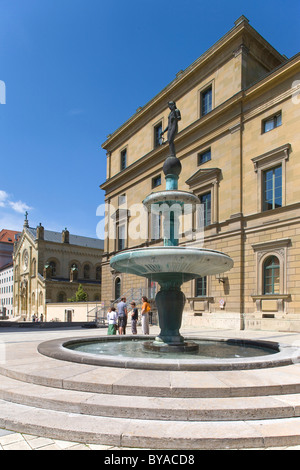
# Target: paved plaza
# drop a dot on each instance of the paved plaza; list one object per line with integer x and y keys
{"x": 23, "y": 342}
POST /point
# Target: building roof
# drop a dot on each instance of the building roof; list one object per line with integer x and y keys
{"x": 242, "y": 27}
{"x": 6, "y": 266}
{"x": 56, "y": 237}
{"x": 8, "y": 236}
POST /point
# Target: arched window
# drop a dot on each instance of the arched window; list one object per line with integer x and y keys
{"x": 33, "y": 267}
{"x": 117, "y": 288}
{"x": 61, "y": 297}
{"x": 52, "y": 265}
{"x": 98, "y": 273}
{"x": 74, "y": 272}
{"x": 271, "y": 271}
{"x": 86, "y": 271}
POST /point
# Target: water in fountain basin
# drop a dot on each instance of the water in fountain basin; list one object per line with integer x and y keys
{"x": 207, "y": 350}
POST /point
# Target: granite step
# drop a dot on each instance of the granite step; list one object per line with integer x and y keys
{"x": 150, "y": 408}
{"x": 146, "y": 434}
{"x": 179, "y": 384}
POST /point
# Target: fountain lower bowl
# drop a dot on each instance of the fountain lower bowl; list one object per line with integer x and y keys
{"x": 273, "y": 354}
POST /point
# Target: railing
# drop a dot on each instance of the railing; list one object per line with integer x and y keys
{"x": 99, "y": 313}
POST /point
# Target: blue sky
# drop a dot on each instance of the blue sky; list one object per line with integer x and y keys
{"x": 75, "y": 70}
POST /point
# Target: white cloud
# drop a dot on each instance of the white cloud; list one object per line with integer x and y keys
{"x": 17, "y": 206}
{"x": 3, "y": 198}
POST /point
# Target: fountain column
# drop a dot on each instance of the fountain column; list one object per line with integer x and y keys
{"x": 170, "y": 300}
{"x": 171, "y": 265}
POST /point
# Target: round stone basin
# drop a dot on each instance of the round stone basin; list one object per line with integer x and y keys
{"x": 168, "y": 262}
{"x": 214, "y": 354}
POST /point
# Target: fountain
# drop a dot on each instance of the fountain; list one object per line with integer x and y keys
{"x": 171, "y": 265}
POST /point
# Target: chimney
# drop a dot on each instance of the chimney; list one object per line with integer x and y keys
{"x": 40, "y": 232}
{"x": 65, "y": 236}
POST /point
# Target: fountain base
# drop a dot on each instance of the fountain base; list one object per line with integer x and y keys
{"x": 158, "y": 346}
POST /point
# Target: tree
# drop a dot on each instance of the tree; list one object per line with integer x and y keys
{"x": 81, "y": 295}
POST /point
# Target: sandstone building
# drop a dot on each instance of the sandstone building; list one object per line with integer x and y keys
{"x": 239, "y": 145}
{"x": 48, "y": 268}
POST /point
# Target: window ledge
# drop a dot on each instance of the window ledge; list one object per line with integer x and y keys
{"x": 271, "y": 296}
{"x": 209, "y": 299}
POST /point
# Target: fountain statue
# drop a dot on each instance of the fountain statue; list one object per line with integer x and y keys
{"x": 171, "y": 265}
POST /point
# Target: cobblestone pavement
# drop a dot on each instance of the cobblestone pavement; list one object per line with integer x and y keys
{"x": 17, "y": 441}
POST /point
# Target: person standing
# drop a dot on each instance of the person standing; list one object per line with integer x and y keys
{"x": 145, "y": 315}
{"x": 122, "y": 316}
{"x": 134, "y": 318}
{"x": 112, "y": 319}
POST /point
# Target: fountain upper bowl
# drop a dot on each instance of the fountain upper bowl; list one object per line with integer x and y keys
{"x": 171, "y": 262}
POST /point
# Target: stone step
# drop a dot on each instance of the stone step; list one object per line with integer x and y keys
{"x": 152, "y": 408}
{"x": 151, "y": 383}
{"x": 146, "y": 434}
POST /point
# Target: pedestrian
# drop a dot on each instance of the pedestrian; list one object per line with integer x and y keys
{"x": 112, "y": 319}
{"x": 134, "y": 318}
{"x": 145, "y": 315}
{"x": 122, "y": 316}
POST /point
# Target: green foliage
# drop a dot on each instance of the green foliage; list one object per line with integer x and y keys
{"x": 80, "y": 296}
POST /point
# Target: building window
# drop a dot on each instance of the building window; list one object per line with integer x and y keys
{"x": 156, "y": 181}
{"x": 204, "y": 157}
{"x": 201, "y": 287}
{"x": 271, "y": 169}
{"x": 123, "y": 160}
{"x": 121, "y": 237}
{"x": 86, "y": 271}
{"x": 271, "y": 123}
{"x": 205, "y": 199}
{"x": 33, "y": 267}
{"x": 117, "y": 288}
{"x": 61, "y": 297}
{"x": 122, "y": 199}
{"x": 272, "y": 189}
{"x": 271, "y": 270}
{"x": 98, "y": 273}
{"x": 206, "y": 101}
{"x": 157, "y": 135}
{"x": 52, "y": 266}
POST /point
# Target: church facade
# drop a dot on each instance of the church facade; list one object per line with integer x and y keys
{"x": 49, "y": 267}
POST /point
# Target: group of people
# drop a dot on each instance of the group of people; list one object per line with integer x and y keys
{"x": 117, "y": 317}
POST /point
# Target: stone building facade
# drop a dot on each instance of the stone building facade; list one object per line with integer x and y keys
{"x": 239, "y": 146}
{"x": 49, "y": 266}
